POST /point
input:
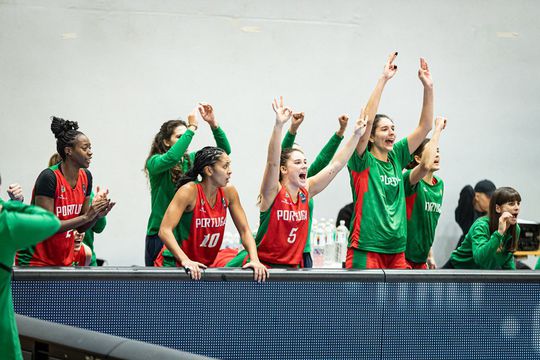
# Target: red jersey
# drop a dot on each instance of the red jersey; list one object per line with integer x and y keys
{"x": 206, "y": 228}
{"x": 284, "y": 229}
{"x": 68, "y": 202}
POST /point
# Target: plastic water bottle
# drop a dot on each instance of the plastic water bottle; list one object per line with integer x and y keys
{"x": 342, "y": 239}
{"x": 317, "y": 247}
{"x": 330, "y": 246}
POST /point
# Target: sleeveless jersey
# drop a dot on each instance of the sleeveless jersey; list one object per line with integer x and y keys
{"x": 201, "y": 237}
{"x": 68, "y": 202}
{"x": 284, "y": 229}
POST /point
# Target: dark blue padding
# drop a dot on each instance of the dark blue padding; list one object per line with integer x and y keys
{"x": 340, "y": 315}
{"x": 227, "y": 320}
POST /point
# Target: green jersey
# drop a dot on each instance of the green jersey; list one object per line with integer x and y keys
{"x": 379, "y": 220}
{"x": 482, "y": 249}
{"x": 20, "y": 226}
{"x": 162, "y": 186}
{"x": 423, "y": 202}
{"x": 322, "y": 159}
{"x": 98, "y": 227}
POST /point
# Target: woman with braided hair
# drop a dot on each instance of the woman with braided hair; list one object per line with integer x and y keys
{"x": 64, "y": 189}
{"x": 167, "y": 161}
{"x": 198, "y": 211}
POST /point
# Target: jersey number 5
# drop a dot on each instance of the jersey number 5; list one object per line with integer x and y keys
{"x": 210, "y": 240}
{"x": 292, "y": 236}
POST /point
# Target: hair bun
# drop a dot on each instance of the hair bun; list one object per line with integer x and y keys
{"x": 59, "y": 126}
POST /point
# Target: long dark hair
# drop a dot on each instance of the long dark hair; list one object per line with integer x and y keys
{"x": 159, "y": 147}
{"x": 418, "y": 152}
{"x": 502, "y": 196}
{"x": 207, "y": 156}
{"x": 376, "y": 120}
{"x": 66, "y": 133}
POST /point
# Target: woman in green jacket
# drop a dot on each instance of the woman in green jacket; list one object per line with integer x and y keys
{"x": 492, "y": 239}
{"x": 167, "y": 161}
{"x": 20, "y": 226}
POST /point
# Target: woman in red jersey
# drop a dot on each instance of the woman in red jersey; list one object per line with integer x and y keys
{"x": 201, "y": 210}
{"x": 285, "y": 194}
{"x": 64, "y": 189}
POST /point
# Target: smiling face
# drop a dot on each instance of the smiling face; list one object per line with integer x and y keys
{"x": 294, "y": 168}
{"x": 81, "y": 151}
{"x": 383, "y": 135}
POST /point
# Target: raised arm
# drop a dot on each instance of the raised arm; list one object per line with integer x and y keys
{"x": 290, "y": 135}
{"x": 260, "y": 273}
{"x": 329, "y": 150}
{"x": 270, "y": 184}
{"x": 320, "y": 181}
{"x": 207, "y": 113}
{"x": 424, "y": 125}
{"x": 183, "y": 201}
{"x": 429, "y": 154}
{"x": 372, "y": 106}
{"x": 164, "y": 162}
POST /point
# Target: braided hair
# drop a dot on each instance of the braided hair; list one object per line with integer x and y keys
{"x": 66, "y": 133}
{"x": 207, "y": 156}
{"x": 159, "y": 147}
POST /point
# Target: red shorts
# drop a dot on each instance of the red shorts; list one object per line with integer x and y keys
{"x": 223, "y": 257}
{"x": 360, "y": 259}
{"x": 417, "y": 266}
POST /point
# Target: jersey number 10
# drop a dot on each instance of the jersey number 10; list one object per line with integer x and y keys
{"x": 210, "y": 240}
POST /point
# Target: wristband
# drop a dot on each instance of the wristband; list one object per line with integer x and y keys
{"x": 195, "y": 126}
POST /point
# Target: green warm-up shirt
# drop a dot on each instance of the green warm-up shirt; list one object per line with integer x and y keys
{"x": 162, "y": 187}
{"x": 379, "y": 220}
{"x": 322, "y": 159}
{"x": 423, "y": 203}
{"x": 480, "y": 249}
{"x": 20, "y": 226}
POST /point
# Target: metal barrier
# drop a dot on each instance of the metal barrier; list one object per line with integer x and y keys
{"x": 44, "y": 340}
{"x": 312, "y": 314}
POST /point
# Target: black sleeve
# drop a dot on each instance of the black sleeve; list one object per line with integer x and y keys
{"x": 89, "y": 177}
{"x": 464, "y": 213}
{"x": 345, "y": 214}
{"x": 45, "y": 184}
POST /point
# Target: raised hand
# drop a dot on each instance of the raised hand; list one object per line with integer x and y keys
{"x": 424, "y": 75}
{"x": 440, "y": 123}
{"x": 15, "y": 192}
{"x": 193, "y": 268}
{"x": 361, "y": 123}
{"x": 207, "y": 113}
{"x": 343, "y": 121}
{"x": 283, "y": 113}
{"x": 505, "y": 221}
{"x": 297, "y": 119}
{"x": 260, "y": 272}
{"x": 390, "y": 68}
